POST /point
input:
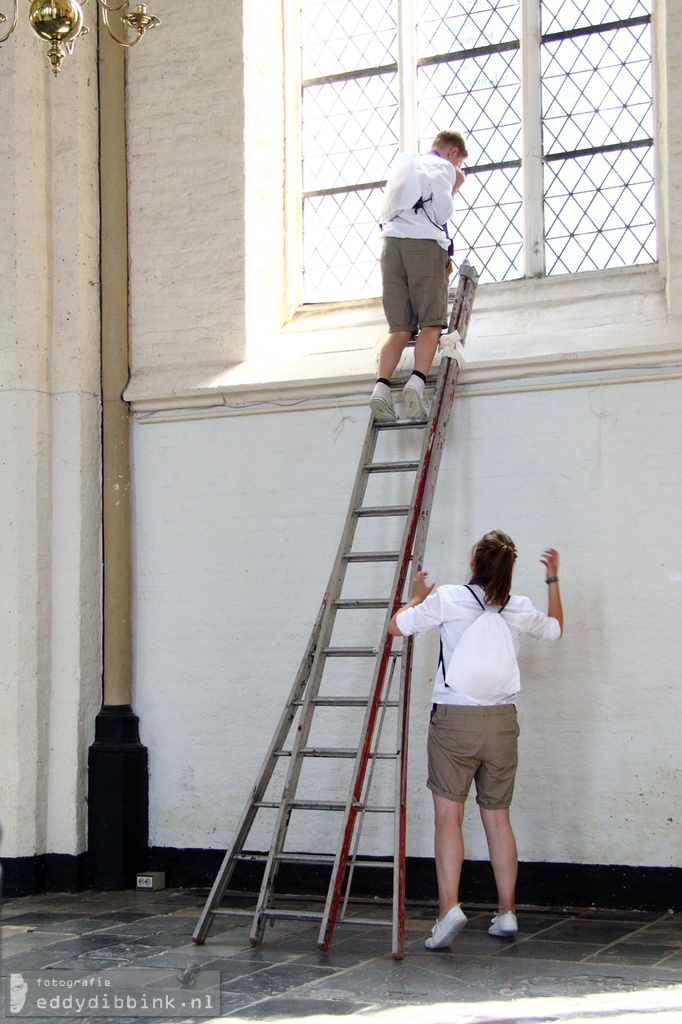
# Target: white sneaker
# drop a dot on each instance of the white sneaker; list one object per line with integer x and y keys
{"x": 416, "y": 402}
{"x": 504, "y": 925}
{"x": 444, "y": 931}
{"x": 382, "y": 403}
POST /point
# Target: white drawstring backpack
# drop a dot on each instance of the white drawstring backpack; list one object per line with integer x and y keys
{"x": 483, "y": 666}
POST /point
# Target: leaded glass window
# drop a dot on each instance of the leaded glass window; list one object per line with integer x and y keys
{"x": 553, "y": 97}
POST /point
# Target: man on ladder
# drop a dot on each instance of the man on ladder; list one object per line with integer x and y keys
{"x": 415, "y": 265}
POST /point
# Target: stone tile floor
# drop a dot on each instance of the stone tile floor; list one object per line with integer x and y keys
{"x": 620, "y": 967}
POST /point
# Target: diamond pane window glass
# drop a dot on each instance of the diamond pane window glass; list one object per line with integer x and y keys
{"x": 465, "y": 24}
{"x": 480, "y": 96}
{"x": 568, "y": 15}
{"x": 599, "y": 211}
{"x": 596, "y": 89}
{"x": 340, "y": 246}
{"x": 350, "y": 131}
{"x": 597, "y": 132}
{"x": 346, "y": 35}
{"x": 487, "y": 227}
{"x": 582, "y": 167}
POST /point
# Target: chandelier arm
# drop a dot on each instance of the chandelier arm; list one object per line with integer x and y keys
{"x": 105, "y": 18}
{"x": 113, "y": 7}
{"x": 10, "y": 30}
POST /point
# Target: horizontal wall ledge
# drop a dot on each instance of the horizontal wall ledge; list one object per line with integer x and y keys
{"x": 348, "y": 394}
{"x": 599, "y": 321}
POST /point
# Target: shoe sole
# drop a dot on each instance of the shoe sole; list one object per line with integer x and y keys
{"x": 413, "y": 405}
{"x": 382, "y": 411}
{"x": 452, "y": 934}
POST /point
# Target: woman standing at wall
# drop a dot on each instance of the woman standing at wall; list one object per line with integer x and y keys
{"x": 473, "y": 732}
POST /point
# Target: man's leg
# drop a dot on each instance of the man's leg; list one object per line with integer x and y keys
{"x": 449, "y": 850}
{"x": 391, "y": 351}
{"x": 503, "y": 856}
{"x": 425, "y": 348}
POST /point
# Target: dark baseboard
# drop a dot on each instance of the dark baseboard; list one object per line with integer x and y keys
{"x": 49, "y": 872}
{"x": 609, "y": 886}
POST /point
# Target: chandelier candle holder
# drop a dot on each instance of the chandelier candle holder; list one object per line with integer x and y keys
{"x": 60, "y": 23}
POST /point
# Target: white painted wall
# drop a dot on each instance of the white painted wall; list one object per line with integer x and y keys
{"x": 237, "y": 519}
{"x": 237, "y": 523}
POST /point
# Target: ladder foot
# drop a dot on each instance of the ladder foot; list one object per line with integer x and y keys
{"x": 255, "y": 941}
{"x": 398, "y": 956}
{"x": 323, "y": 946}
{"x": 197, "y": 941}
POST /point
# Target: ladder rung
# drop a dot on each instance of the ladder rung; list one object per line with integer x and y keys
{"x": 381, "y": 510}
{"x": 294, "y": 915}
{"x": 372, "y": 556}
{"x": 350, "y": 652}
{"x": 357, "y": 652}
{"x": 345, "y": 702}
{"x": 333, "y": 752}
{"x": 313, "y": 858}
{"x": 392, "y": 467}
{"x": 352, "y": 702}
{"x": 399, "y": 424}
{"x": 297, "y": 915}
{"x": 232, "y": 912}
{"x": 322, "y": 805}
{"x": 311, "y": 915}
{"x": 361, "y": 603}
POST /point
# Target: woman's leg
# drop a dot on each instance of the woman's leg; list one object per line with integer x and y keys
{"x": 449, "y": 849}
{"x": 503, "y": 855}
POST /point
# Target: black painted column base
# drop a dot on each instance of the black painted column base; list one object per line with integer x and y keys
{"x": 118, "y": 801}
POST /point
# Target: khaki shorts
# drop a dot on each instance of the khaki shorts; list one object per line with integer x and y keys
{"x": 478, "y": 743}
{"x": 414, "y": 274}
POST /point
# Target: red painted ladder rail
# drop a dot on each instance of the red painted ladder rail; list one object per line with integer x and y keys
{"x": 305, "y": 698}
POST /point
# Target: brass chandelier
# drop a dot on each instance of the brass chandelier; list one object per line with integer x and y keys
{"x": 60, "y": 22}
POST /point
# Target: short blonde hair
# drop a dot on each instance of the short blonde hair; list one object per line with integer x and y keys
{"x": 447, "y": 139}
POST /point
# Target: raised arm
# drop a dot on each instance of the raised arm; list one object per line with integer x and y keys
{"x": 420, "y": 590}
{"x": 550, "y": 560}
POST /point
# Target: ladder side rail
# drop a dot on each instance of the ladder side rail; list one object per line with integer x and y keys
{"x": 263, "y": 779}
{"x": 448, "y": 377}
{"x": 423, "y": 490}
{"x": 445, "y": 393}
{"x": 400, "y": 823}
{"x": 334, "y": 586}
{"x": 367, "y": 787}
{"x": 353, "y": 802}
{"x": 280, "y": 734}
{"x": 406, "y": 549}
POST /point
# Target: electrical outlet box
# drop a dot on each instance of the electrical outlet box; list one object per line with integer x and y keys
{"x": 151, "y": 880}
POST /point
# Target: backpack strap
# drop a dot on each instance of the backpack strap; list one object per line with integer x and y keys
{"x": 441, "y": 663}
{"x": 481, "y": 603}
{"x": 475, "y": 595}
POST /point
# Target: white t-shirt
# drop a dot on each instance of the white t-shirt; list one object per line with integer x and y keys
{"x": 411, "y": 176}
{"x": 454, "y": 608}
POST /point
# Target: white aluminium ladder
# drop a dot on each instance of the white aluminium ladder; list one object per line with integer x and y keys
{"x": 309, "y": 698}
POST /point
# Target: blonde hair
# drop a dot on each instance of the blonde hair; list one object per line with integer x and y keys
{"x": 447, "y": 139}
{"x": 492, "y": 561}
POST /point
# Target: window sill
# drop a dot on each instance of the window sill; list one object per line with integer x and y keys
{"x": 528, "y": 328}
